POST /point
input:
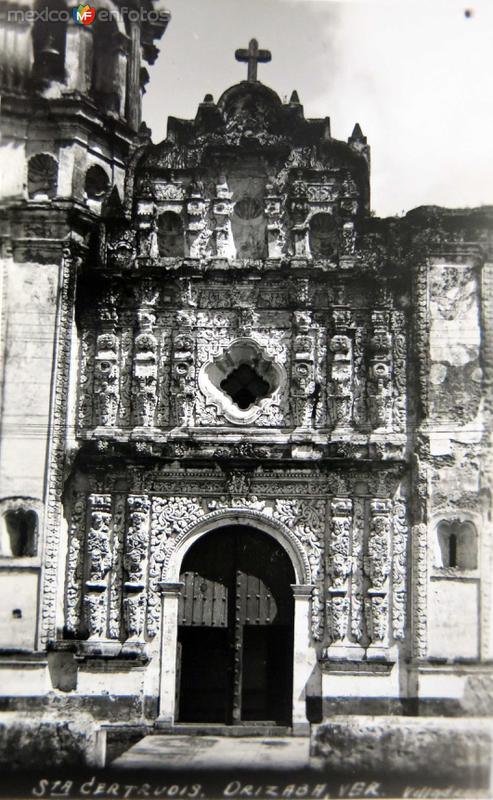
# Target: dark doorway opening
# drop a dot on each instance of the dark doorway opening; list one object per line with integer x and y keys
{"x": 235, "y": 634}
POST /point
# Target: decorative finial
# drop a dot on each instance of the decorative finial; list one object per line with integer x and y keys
{"x": 252, "y": 57}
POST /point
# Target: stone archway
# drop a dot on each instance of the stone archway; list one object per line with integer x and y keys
{"x": 304, "y": 654}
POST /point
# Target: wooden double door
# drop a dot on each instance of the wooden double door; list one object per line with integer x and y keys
{"x": 235, "y": 634}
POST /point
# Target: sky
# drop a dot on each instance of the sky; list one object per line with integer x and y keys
{"x": 416, "y": 74}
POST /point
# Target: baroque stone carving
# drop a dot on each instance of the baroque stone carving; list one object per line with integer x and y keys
{"x": 357, "y": 595}
{"x": 399, "y": 570}
{"x": 73, "y": 581}
{"x": 399, "y": 371}
{"x": 307, "y": 521}
{"x": 183, "y": 389}
{"x": 116, "y": 576}
{"x": 56, "y": 466}
{"x": 106, "y": 379}
{"x": 341, "y": 374}
{"x": 98, "y": 563}
{"x": 379, "y": 378}
{"x": 377, "y": 565}
{"x": 339, "y": 567}
{"x": 145, "y": 370}
{"x": 134, "y": 562}
{"x": 304, "y": 387}
{"x": 86, "y": 378}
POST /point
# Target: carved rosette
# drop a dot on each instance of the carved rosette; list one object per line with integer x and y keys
{"x": 73, "y": 582}
{"x": 399, "y": 570}
{"x": 306, "y": 519}
{"x": 135, "y": 564}
{"x": 98, "y": 564}
{"x": 339, "y": 567}
{"x": 377, "y": 565}
{"x": 380, "y": 372}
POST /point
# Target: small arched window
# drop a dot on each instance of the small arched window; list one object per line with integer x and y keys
{"x": 170, "y": 235}
{"x": 96, "y": 183}
{"x": 42, "y": 176}
{"x": 323, "y": 236}
{"x": 457, "y": 544}
{"x": 18, "y": 533}
{"x": 105, "y": 80}
{"x": 49, "y": 35}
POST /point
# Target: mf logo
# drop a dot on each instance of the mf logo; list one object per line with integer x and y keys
{"x": 84, "y": 14}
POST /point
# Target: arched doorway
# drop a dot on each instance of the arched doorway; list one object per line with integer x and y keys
{"x": 235, "y": 629}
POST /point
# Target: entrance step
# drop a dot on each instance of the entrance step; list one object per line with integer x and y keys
{"x": 187, "y": 753}
{"x": 211, "y": 729}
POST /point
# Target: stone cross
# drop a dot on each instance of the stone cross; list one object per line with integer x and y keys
{"x": 253, "y": 56}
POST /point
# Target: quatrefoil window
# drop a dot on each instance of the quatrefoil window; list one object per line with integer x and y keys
{"x": 242, "y": 380}
{"x": 245, "y": 386}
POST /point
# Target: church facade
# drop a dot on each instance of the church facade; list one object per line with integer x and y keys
{"x": 245, "y": 452}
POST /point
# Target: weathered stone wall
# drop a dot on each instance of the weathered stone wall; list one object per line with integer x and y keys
{"x": 451, "y": 750}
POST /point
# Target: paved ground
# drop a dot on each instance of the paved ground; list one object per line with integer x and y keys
{"x": 174, "y": 752}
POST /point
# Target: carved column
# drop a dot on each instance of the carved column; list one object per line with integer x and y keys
{"x": 107, "y": 367}
{"x": 399, "y": 371}
{"x": 73, "y": 581}
{"x": 339, "y": 570}
{"x": 275, "y": 237}
{"x": 377, "y": 565}
{"x": 197, "y": 231}
{"x": 135, "y": 565}
{"x": 399, "y": 570}
{"x": 303, "y": 386}
{"x": 98, "y": 565}
{"x": 299, "y": 208}
{"x": 183, "y": 384}
{"x": 341, "y": 395}
{"x": 164, "y": 378}
{"x": 380, "y": 372}
{"x": 145, "y": 370}
{"x": 357, "y": 584}
{"x": 222, "y": 210}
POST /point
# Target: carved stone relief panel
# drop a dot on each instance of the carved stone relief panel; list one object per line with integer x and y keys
{"x": 143, "y": 365}
{"x": 135, "y": 564}
{"x": 380, "y": 372}
{"x": 341, "y": 379}
{"x": 377, "y": 566}
{"x": 107, "y": 379}
{"x": 354, "y": 547}
{"x": 145, "y": 370}
{"x": 98, "y": 564}
{"x": 339, "y": 567}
